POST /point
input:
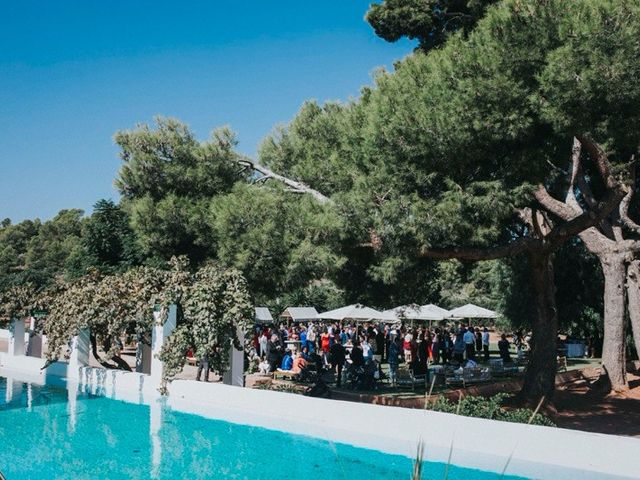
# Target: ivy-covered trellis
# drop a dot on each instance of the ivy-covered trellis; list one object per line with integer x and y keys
{"x": 213, "y": 305}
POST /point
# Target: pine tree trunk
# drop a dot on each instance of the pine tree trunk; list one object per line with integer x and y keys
{"x": 541, "y": 370}
{"x": 633, "y": 299}
{"x": 614, "y": 362}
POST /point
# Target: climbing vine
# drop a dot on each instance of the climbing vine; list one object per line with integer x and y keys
{"x": 213, "y": 304}
{"x": 18, "y": 302}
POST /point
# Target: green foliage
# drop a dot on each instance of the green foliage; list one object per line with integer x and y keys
{"x": 280, "y": 243}
{"x": 479, "y": 283}
{"x": 429, "y": 21}
{"x": 322, "y": 294}
{"x": 490, "y": 408}
{"x": 315, "y": 147}
{"x": 215, "y": 306}
{"x": 167, "y": 180}
{"x": 108, "y": 239}
{"x": 17, "y": 302}
{"x": 108, "y": 305}
{"x": 35, "y": 252}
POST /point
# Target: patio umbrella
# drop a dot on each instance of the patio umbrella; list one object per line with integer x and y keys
{"x": 438, "y": 313}
{"x": 263, "y": 315}
{"x": 353, "y": 312}
{"x": 300, "y": 314}
{"x": 472, "y": 311}
{"x": 416, "y": 312}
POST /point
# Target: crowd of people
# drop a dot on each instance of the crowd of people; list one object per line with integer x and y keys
{"x": 363, "y": 347}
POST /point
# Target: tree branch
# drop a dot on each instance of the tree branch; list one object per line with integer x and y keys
{"x": 600, "y": 158}
{"x": 475, "y": 254}
{"x": 554, "y": 206}
{"x": 294, "y": 185}
{"x": 586, "y": 220}
{"x": 626, "y": 201}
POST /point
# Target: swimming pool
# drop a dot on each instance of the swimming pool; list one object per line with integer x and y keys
{"x": 49, "y": 432}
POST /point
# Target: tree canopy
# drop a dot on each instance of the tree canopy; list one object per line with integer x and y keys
{"x": 428, "y": 21}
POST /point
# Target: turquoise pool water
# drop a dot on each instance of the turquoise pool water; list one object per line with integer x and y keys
{"x": 44, "y": 436}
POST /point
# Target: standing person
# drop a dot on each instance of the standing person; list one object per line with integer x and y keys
{"x": 338, "y": 357}
{"x": 284, "y": 334}
{"x": 459, "y": 348}
{"x": 408, "y": 347}
{"x": 203, "y": 366}
{"x": 367, "y": 351}
{"x": 518, "y": 340}
{"x": 263, "y": 340}
{"x": 469, "y": 339}
{"x": 503, "y": 347}
{"x": 423, "y": 349}
{"x": 380, "y": 341}
{"x": 436, "y": 345}
{"x": 303, "y": 337}
{"x": 445, "y": 346}
{"x": 393, "y": 354}
{"x": 273, "y": 353}
{"x": 485, "y": 343}
{"x": 311, "y": 338}
{"x": 429, "y": 340}
{"x": 325, "y": 344}
{"x": 478, "y": 334}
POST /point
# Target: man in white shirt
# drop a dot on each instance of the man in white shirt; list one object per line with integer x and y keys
{"x": 469, "y": 343}
{"x": 485, "y": 343}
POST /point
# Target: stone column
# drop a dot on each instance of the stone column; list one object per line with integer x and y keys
{"x": 143, "y": 357}
{"x": 158, "y": 337}
{"x": 16, "y": 342}
{"x": 79, "y": 357}
{"x": 235, "y": 375}
{"x": 34, "y": 347}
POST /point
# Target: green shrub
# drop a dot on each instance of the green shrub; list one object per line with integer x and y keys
{"x": 491, "y": 408}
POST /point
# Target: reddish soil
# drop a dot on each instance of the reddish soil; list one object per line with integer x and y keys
{"x": 581, "y": 408}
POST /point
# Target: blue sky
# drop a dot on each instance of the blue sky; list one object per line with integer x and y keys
{"x": 72, "y": 73}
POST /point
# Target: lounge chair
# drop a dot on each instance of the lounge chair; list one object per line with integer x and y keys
{"x": 406, "y": 377}
{"x": 469, "y": 376}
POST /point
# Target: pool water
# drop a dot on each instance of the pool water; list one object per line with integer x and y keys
{"x": 44, "y": 435}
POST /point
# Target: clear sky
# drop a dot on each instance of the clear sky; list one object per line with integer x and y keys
{"x": 72, "y": 73}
